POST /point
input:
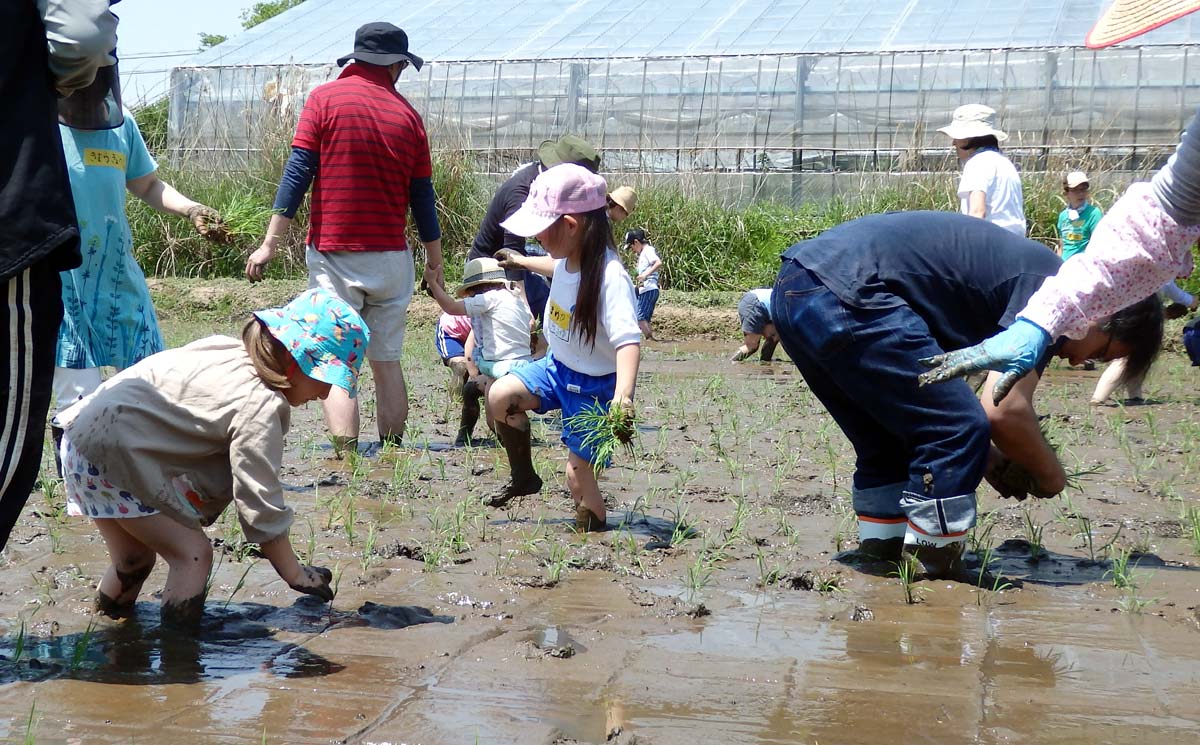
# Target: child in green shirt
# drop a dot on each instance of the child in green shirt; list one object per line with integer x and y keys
{"x": 1079, "y": 219}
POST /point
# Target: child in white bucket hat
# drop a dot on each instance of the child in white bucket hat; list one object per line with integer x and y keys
{"x": 590, "y": 324}
{"x": 159, "y": 450}
{"x": 499, "y": 341}
{"x": 990, "y": 187}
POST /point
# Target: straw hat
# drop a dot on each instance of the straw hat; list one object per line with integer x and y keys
{"x": 973, "y": 120}
{"x": 1126, "y": 19}
{"x": 625, "y": 197}
{"x": 482, "y": 271}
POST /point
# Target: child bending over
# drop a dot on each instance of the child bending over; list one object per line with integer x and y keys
{"x": 500, "y": 325}
{"x": 590, "y": 325}
{"x": 754, "y": 313}
{"x": 159, "y": 450}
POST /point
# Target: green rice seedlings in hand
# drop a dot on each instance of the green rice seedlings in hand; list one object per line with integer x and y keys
{"x": 605, "y": 428}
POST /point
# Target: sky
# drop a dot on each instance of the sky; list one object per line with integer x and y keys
{"x": 154, "y": 35}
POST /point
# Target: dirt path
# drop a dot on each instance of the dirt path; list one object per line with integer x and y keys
{"x": 714, "y": 610}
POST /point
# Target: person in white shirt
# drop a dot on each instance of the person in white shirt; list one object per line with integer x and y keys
{"x": 990, "y": 187}
{"x": 500, "y": 326}
{"x": 754, "y": 314}
{"x": 648, "y": 264}
{"x": 591, "y": 327}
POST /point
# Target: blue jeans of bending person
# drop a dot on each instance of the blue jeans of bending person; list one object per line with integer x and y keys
{"x": 921, "y": 452}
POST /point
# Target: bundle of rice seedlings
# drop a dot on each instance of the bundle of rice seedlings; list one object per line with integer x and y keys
{"x": 605, "y": 429}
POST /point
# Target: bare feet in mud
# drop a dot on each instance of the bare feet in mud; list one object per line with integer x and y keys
{"x": 184, "y": 614}
{"x": 586, "y": 521}
{"x": 511, "y": 489}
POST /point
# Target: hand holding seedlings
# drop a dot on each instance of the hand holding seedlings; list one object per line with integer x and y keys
{"x": 623, "y": 418}
{"x": 208, "y": 223}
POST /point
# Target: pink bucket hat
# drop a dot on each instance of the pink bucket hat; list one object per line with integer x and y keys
{"x": 566, "y": 189}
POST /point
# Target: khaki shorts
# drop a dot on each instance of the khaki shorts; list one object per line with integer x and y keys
{"x": 377, "y": 284}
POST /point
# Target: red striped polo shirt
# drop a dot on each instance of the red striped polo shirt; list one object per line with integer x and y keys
{"x": 370, "y": 142}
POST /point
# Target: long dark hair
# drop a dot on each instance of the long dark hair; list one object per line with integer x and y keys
{"x": 1140, "y": 327}
{"x": 595, "y": 243}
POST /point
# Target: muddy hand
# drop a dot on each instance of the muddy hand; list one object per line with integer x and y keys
{"x": 508, "y": 258}
{"x": 1014, "y": 352}
{"x": 314, "y": 581}
{"x": 208, "y": 223}
{"x": 623, "y": 419}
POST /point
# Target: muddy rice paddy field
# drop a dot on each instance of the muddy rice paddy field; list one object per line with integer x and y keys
{"x": 715, "y": 608}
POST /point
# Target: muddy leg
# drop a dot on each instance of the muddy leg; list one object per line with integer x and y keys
{"x": 458, "y": 375}
{"x": 56, "y": 435}
{"x": 518, "y": 444}
{"x": 589, "y": 503}
{"x": 507, "y": 402}
{"x": 189, "y": 556}
{"x": 470, "y": 412}
{"x": 132, "y": 562}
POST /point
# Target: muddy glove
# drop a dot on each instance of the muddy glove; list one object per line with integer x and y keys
{"x": 208, "y": 223}
{"x": 314, "y": 581}
{"x": 1014, "y": 351}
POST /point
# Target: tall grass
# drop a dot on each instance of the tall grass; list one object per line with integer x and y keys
{"x": 705, "y": 245}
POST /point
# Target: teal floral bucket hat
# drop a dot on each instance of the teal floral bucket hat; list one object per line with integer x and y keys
{"x": 325, "y": 336}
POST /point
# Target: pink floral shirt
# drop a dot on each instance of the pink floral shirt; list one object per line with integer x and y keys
{"x": 1136, "y": 248}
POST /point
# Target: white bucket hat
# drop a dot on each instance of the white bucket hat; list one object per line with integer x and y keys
{"x": 973, "y": 120}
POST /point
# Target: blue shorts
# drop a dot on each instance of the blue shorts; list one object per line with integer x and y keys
{"x": 646, "y": 300}
{"x": 447, "y": 346}
{"x": 560, "y": 387}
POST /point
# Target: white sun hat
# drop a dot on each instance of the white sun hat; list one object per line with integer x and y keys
{"x": 973, "y": 120}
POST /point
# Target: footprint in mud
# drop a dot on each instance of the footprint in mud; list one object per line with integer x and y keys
{"x": 553, "y": 641}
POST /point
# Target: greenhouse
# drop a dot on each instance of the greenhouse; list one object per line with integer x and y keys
{"x": 787, "y": 99}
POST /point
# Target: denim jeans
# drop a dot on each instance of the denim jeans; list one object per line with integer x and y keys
{"x": 863, "y": 366}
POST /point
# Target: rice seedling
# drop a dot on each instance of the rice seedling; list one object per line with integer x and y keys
{"x": 19, "y": 644}
{"x": 906, "y": 570}
{"x": 1131, "y": 602}
{"x": 699, "y": 574}
{"x": 766, "y": 577}
{"x": 784, "y": 527}
{"x": 31, "y": 724}
{"x": 368, "y": 550}
{"x": 1191, "y": 527}
{"x": 605, "y": 431}
{"x": 1033, "y": 536}
{"x": 240, "y": 584}
{"x": 828, "y": 584}
{"x": 556, "y": 563}
{"x": 1119, "y": 570}
{"x": 82, "y": 643}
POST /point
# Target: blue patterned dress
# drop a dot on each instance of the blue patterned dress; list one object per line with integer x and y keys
{"x": 108, "y": 318}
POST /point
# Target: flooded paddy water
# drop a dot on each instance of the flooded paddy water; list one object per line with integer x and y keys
{"x": 715, "y": 608}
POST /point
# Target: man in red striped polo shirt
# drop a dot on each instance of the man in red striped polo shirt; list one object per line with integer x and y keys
{"x": 364, "y": 149}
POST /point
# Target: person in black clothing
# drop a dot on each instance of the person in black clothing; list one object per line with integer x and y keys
{"x": 509, "y": 198}
{"x": 49, "y": 46}
{"x": 858, "y": 306}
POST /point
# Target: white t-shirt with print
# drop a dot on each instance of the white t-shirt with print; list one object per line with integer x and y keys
{"x": 993, "y": 174}
{"x": 646, "y": 258}
{"x": 617, "y": 324}
{"x": 501, "y": 321}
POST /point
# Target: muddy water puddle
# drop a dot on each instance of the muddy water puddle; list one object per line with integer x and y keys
{"x": 712, "y": 610}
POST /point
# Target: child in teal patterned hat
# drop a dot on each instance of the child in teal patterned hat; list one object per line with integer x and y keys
{"x": 159, "y": 450}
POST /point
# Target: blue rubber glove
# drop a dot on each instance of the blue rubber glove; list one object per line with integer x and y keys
{"x": 1014, "y": 351}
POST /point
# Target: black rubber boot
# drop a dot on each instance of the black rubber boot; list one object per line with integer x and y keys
{"x": 518, "y": 444}
{"x": 470, "y": 413}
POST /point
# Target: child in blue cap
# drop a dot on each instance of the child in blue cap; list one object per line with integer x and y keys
{"x": 159, "y": 450}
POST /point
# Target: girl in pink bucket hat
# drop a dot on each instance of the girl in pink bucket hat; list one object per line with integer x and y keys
{"x": 159, "y": 450}
{"x": 591, "y": 327}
